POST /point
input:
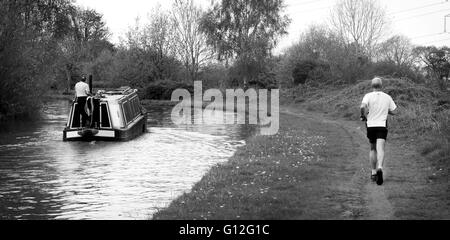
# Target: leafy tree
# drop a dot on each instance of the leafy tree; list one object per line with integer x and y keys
{"x": 436, "y": 61}
{"x": 28, "y": 30}
{"x": 85, "y": 38}
{"x": 245, "y": 30}
{"x": 89, "y": 25}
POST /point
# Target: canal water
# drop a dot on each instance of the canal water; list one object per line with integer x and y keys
{"x": 42, "y": 177}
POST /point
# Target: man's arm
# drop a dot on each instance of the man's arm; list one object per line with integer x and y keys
{"x": 393, "y": 109}
{"x": 394, "y": 112}
{"x": 364, "y": 108}
{"x": 363, "y": 117}
{"x": 88, "y": 91}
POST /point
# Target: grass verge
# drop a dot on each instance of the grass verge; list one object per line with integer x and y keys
{"x": 286, "y": 176}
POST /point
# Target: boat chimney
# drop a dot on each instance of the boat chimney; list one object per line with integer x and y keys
{"x": 90, "y": 84}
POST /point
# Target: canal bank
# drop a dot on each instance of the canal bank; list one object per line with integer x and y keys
{"x": 315, "y": 168}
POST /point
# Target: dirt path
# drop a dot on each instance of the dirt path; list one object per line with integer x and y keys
{"x": 376, "y": 203}
{"x": 413, "y": 188}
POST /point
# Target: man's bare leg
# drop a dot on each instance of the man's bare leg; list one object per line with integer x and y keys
{"x": 373, "y": 158}
{"x": 380, "y": 156}
{"x": 380, "y": 153}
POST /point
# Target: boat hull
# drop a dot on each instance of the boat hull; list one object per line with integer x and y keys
{"x": 136, "y": 129}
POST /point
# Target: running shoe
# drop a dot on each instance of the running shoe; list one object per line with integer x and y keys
{"x": 374, "y": 178}
{"x": 380, "y": 177}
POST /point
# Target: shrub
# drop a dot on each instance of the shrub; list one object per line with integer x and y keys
{"x": 214, "y": 76}
{"x": 301, "y": 71}
{"x": 162, "y": 90}
{"x": 418, "y": 104}
{"x": 423, "y": 112}
{"x": 266, "y": 80}
{"x": 310, "y": 70}
{"x": 394, "y": 71}
{"x": 23, "y": 80}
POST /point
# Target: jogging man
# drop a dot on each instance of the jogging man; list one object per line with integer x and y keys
{"x": 375, "y": 108}
{"x": 82, "y": 92}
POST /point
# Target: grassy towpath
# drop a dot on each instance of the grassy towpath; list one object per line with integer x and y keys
{"x": 415, "y": 188}
{"x": 315, "y": 168}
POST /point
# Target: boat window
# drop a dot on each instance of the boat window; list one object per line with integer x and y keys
{"x": 131, "y": 109}
{"x": 128, "y": 112}
{"x": 138, "y": 104}
{"x": 135, "y": 108}
{"x": 124, "y": 113}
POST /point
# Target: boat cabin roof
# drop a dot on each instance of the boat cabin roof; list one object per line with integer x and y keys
{"x": 117, "y": 94}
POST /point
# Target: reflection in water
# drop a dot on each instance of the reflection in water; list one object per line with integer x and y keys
{"x": 42, "y": 177}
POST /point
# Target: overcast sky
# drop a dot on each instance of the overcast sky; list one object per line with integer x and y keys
{"x": 420, "y": 20}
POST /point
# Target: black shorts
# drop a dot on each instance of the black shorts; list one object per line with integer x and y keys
{"x": 374, "y": 133}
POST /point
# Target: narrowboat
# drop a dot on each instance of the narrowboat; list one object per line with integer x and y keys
{"x": 115, "y": 115}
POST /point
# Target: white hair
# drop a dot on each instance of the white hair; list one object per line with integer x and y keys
{"x": 377, "y": 83}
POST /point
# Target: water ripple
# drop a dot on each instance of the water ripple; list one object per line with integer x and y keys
{"x": 42, "y": 177}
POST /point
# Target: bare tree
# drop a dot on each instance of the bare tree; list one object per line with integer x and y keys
{"x": 158, "y": 34}
{"x": 153, "y": 41}
{"x": 397, "y": 50}
{"x": 155, "y": 34}
{"x": 360, "y": 22}
{"x": 192, "y": 47}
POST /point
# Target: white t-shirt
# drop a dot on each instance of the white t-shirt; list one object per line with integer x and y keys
{"x": 82, "y": 89}
{"x": 379, "y": 105}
